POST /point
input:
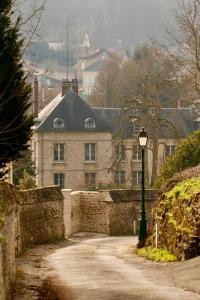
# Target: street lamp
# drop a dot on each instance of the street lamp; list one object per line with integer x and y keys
{"x": 143, "y": 222}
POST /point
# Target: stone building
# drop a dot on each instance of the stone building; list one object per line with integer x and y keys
{"x": 76, "y": 146}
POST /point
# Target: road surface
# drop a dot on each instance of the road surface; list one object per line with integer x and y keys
{"x": 106, "y": 269}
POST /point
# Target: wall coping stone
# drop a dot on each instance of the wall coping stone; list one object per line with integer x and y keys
{"x": 66, "y": 190}
{"x": 41, "y": 195}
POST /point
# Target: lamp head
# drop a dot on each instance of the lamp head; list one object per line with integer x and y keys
{"x": 142, "y": 137}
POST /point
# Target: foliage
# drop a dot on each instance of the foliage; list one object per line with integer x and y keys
{"x": 105, "y": 91}
{"x": 24, "y": 163}
{"x": 187, "y": 41}
{"x": 39, "y": 52}
{"x": 187, "y": 155}
{"x": 156, "y": 254}
{"x": 15, "y": 124}
{"x": 177, "y": 219}
{"x": 101, "y": 186}
{"x": 27, "y": 182}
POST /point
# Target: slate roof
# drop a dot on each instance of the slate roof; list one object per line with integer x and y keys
{"x": 74, "y": 111}
{"x": 97, "y": 53}
{"x": 182, "y": 120}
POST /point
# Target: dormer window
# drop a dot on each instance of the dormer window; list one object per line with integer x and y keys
{"x": 58, "y": 123}
{"x": 90, "y": 123}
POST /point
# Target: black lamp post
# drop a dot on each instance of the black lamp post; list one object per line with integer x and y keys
{"x": 143, "y": 222}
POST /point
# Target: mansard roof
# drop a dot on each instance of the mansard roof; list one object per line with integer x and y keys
{"x": 73, "y": 111}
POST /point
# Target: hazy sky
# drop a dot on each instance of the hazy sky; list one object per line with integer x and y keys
{"x": 108, "y": 21}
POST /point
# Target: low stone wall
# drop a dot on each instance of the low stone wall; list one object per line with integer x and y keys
{"x": 110, "y": 212}
{"x": 95, "y": 212}
{"x": 126, "y": 210}
{"x": 91, "y": 212}
{"x": 8, "y": 204}
{"x": 40, "y": 215}
{"x": 28, "y": 217}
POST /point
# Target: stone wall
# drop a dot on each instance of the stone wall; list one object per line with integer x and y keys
{"x": 126, "y": 210}
{"x": 28, "y": 217}
{"x": 8, "y": 204}
{"x": 109, "y": 212}
{"x": 40, "y": 215}
{"x": 95, "y": 211}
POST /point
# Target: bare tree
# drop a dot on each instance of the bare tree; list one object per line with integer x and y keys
{"x": 146, "y": 82}
{"x": 107, "y": 80}
{"x": 186, "y": 44}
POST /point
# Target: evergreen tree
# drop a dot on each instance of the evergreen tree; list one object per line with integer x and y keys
{"x": 15, "y": 123}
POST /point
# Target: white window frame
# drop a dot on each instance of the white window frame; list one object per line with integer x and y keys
{"x": 58, "y": 123}
{"x": 137, "y": 155}
{"x": 59, "y": 179}
{"x": 59, "y": 152}
{"x": 120, "y": 177}
{"x": 170, "y": 149}
{"x": 90, "y": 151}
{"x": 90, "y": 123}
{"x": 137, "y": 178}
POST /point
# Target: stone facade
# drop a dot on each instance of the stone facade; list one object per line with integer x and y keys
{"x": 74, "y": 166}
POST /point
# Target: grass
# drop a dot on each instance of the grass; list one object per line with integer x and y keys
{"x": 156, "y": 254}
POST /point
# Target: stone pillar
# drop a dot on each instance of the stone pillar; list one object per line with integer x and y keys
{"x": 67, "y": 212}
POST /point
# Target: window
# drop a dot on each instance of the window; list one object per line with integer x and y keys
{"x": 59, "y": 179}
{"x": 120, "y": 152}
{"x": 137, "y": 178}
{"x": 59, "y": 152}
{"x": 90, "y": 179}
{"x": 58, "y": 123}
{"x": 170, "y": 149}
{"x": 90, "y": 123}
{"x": 137, "y": 154}
{"x": 90, "y": 152}
{"x": 120, "y": 177}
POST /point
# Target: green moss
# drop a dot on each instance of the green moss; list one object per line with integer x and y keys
{"x": 184, "y": 190}
{"x": 156, "y": 254}
{"x": 181, "y": 195}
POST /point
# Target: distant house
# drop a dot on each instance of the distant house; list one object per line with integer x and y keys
{"x": 90, "y": 62}
{"x": 76, "y": 146}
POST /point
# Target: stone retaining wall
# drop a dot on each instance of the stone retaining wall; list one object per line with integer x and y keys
{"x": 40, "y": 215}
{"x": 27, "y": 217}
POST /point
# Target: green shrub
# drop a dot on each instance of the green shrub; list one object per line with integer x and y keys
{"x": 156, "y": 254}
{"x": 187, "y": 155}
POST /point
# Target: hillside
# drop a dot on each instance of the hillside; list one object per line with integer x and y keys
{"x": 111, "y": 23}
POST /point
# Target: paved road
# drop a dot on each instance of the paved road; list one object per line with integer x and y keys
{"x": 105, "y": 269}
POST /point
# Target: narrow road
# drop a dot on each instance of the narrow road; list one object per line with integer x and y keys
{"x": 106, "y": 269}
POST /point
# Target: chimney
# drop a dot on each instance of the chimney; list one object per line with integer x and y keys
{"x": 66, "y": 85}
{"x": 74, "y": 85}
{"x": 35, "y": 97}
